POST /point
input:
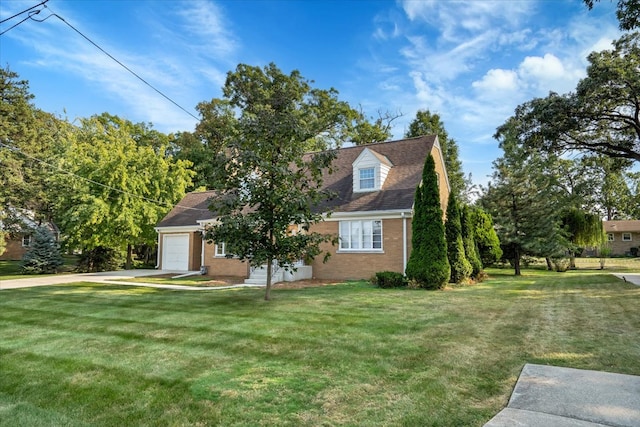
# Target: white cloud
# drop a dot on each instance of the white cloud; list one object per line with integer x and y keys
{"x": 497, "y": 81}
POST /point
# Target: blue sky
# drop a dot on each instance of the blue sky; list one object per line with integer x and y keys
{"x": 472, "y": 62}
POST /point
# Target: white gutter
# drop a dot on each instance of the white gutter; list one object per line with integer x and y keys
{"x": 202, "y": 252}
{"x": 404, "y": 243}
{"x": 158, "y": 253}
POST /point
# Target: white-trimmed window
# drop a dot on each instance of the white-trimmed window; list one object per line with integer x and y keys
{"x": 220, "y": 250}
{"x": 610, "y": 237}
{"x": 367, "y": 178}
{"x": 361, "y": 235}
{"x": 26, "y": 240}
{"x": 626, "y": 237}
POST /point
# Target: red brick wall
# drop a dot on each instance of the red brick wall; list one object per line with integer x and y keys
{"x": 346, "y": 266}
{"x": 14, "y": 250}
{"x": 220, "y": 266}
{"x": 620, "y": 247}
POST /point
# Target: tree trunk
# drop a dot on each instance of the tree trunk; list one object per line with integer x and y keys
{"x": 516, "y": 263}
{"x": 127, "y": 265}
{"x": 549, "y": 264}
{"x": 572, "y": 262}
{"x": 267, "y": 295}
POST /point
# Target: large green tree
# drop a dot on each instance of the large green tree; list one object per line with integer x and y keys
{"x": 523, "y": 202}
{"x": 628, "y": 13}
{"x": 428, "y": 265}
{"x": 265, "y": 181}
{"x": 601, "y": 116}
{"x": 28, "y": 144}
{"x": 115, "y": 183}
{"x": 427, "y": 123}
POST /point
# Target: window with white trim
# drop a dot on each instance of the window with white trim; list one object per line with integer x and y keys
{"x": 361, "y": 235}
{"x": 626, "y": 237}
{"x": 610, "y": 237}
{"x": 26, "y": 240}
{"x": 220, "y": 250}
{"x": 367, "y": 178}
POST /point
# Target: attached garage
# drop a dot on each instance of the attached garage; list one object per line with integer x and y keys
{"x": 175, "y": 252}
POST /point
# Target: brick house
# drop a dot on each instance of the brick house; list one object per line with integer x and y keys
{"x": 623, "y": 237}
{"x": 19, "y": 234}
{"x": 375, "y": 186}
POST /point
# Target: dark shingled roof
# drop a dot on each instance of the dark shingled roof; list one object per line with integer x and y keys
{"x": 622, "y": 226}
{"x": 192, "y": 208}
{"x": 407, "y": 157}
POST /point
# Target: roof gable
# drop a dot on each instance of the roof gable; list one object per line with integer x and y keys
{"x": 406, "y": 156}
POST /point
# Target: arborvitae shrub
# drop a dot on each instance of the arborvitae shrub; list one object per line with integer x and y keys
{"x": 470, "y": 246}
{"x": 428, "y": 266}
{"x": 390, "y": 279}
{"x": 460, "y": 266}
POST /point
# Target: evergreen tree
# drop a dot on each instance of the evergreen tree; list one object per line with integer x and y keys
{"x": 468, "y": 238}
{"x": 485, "y": 236}
{"x": 460, "y": 266}
{"x": 44, "y": 254}
{"x": 428, "y": 265}
{"x": 427, "y": 123}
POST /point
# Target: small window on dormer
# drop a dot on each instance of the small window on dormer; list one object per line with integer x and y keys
{"x": 367, "y": 178}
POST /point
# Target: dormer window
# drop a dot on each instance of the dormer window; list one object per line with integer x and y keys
{"x": 367, "y": 178}
{"x": 370, "y": 170}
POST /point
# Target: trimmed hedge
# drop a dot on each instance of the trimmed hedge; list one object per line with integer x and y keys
{"x": 390, "y": 279}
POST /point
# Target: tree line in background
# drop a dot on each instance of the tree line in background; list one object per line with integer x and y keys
{"x": 107, "y": 181}
{"x": 569, "y": 159}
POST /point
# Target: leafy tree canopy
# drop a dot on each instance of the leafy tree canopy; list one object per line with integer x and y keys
{"x": 628, "y": 13}
{"x": 601, "y": 116}
{"x": 266, "y": 183}
{"x": 118, "y": 184}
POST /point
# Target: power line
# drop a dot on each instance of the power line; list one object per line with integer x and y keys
{"x": 20, "y": 13}
{"x": 59, "y": 169}
{"x": 112, "y": 57}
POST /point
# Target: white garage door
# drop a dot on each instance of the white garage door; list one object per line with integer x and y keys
{"x": 175, "y": 252}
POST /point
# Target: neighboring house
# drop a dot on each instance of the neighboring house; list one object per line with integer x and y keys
{"x": 19, "y": 234}
{"x": 623, "y": 237}
{"x": 375, "y": 186}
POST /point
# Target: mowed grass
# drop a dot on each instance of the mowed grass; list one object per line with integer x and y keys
{"x": 342, "y": 355}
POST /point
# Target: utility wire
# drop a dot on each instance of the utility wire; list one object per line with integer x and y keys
{"x": 113, "y": 58}
{"x": 59, "y": 169}
{"x": 34, "y": 12}
{"x": 20, "y": 13}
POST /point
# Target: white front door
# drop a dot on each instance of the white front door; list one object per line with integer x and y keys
{"x": 175, "y": 252}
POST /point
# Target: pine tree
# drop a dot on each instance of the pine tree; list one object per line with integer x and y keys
{"x": 428, "y": 265}
{"x": 460, "y": 266}
{"x": 44, "y": 254}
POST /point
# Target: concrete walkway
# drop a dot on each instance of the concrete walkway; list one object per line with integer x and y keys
{"x": 565, "y": 397}
{"x": 629, "y": 277}
{"x": 109, "y": 277}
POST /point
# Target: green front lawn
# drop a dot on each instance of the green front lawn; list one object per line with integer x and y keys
{"x": 350, "y": 354}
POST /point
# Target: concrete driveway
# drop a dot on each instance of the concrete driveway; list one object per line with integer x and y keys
{"x": 567, "y": 397}
{"x": 103, "y": 277}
